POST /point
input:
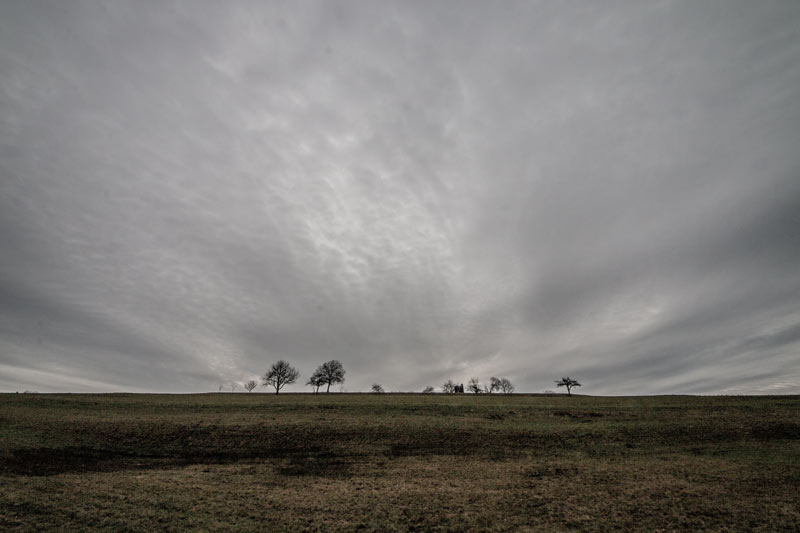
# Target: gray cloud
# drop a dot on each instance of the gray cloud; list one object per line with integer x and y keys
{"x": 423, "y": 191}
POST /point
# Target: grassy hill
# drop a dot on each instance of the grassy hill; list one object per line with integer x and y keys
{"x": 398, "y": 462}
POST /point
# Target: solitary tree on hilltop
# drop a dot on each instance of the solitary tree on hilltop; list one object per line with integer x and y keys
{"x": 568, "y": 382}
{"x": 279, "y": 375}
{"x": 331, "y": 373}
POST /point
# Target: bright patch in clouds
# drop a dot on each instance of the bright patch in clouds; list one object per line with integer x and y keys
{"x": 190, "y": 192}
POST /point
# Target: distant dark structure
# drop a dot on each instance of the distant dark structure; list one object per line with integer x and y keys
{"x": 448, "y": 387}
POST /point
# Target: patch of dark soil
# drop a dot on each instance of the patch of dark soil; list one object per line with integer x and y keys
{"x": 579, "y": 415}
{"x": 326, "y": 465}
{"x": 776, "y": 431}
{"x": 48, "y": 461}
{"x": 111, "y": 447}
{"x": 53, "y": 461}
{"x": 466, "y": 443}
{"x": 550, "y": 470}
{"x": 427, "y": 449}
{"x": 684, "y": 434}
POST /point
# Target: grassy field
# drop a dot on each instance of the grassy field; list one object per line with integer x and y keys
{"x": 398, "y": 462}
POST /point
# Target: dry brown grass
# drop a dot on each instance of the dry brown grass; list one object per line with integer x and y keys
{"x": 398, "y": 463}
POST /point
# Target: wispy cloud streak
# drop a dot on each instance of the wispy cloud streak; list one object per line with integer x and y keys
{"x": 422, "y": 191}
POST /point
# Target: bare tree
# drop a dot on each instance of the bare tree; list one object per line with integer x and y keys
{"x": 568, "y": 382}
{"x": 377, "y": 388}
{"x": 506, "y": 387}
{"x": 250, "y": 385}
{"x": 448, "y": 387}
{"x": 233, "y": 386}
{"x": 494, "y": 385}
{"x": 316, "y": 380}
{"x": 331, "y": 373}
{"x": 427, "y": 390}
{"x": 280, "y": 375}
{"x": 474, "y": 386}
{"x": 220, "y": 388}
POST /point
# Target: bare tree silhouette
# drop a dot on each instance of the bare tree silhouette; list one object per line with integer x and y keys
{"x": 568, "y": 382}
{"x": 316, "y": 380}
{"x": 474, "y": 386}
{"x": 280, "y": 375}
{"x": 331, "y": 373}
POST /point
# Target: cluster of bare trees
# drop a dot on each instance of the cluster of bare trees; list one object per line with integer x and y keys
{"x": 501, "y": 385}
{"x": 474, "y": 386}
{"x": 332, "y": 372}
{"x": 327, "y": 374}
{"x": 282, "y": 373}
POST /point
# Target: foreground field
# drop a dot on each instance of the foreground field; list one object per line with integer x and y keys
{"x": 398, "y": 462}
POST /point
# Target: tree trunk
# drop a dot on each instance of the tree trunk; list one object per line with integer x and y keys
{"x": 329, "y": 387}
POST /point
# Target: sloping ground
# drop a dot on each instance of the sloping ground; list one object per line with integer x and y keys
{"x": 398, "y": 462}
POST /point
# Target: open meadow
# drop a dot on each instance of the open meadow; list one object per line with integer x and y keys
{"x": 398, "y": 462}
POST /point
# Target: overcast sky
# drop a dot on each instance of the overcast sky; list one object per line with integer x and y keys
{"x": 423, "y": 190}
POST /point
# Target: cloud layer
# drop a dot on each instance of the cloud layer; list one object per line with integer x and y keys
{"x": 191, "y": 191}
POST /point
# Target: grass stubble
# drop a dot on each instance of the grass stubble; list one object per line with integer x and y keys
{"x": 131, "y": 462}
